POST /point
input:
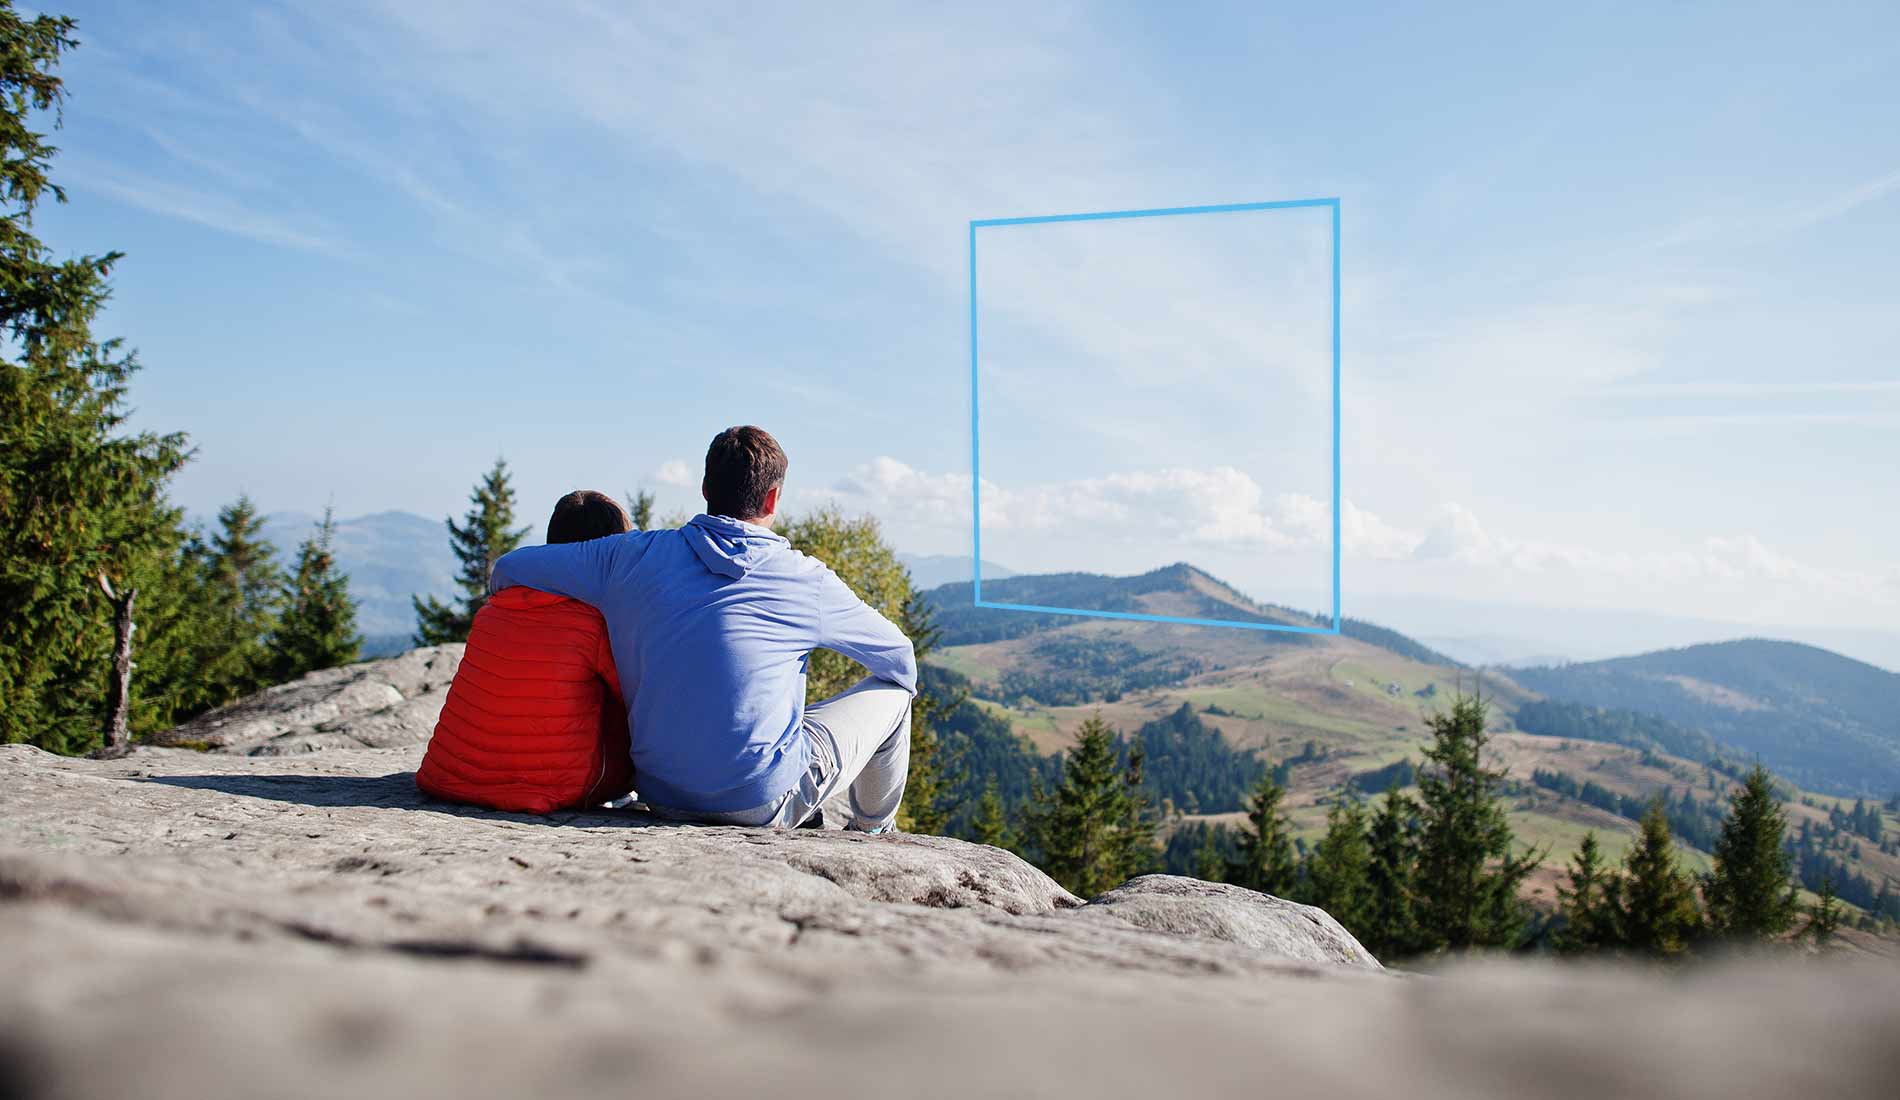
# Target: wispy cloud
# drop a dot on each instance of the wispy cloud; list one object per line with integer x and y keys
{"x": 219, "y": 212}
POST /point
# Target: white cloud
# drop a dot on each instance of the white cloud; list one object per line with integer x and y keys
{"x": 1214, "y": 507}
{"x": 676, "y": 472}
{"x": 1221, "y": 509}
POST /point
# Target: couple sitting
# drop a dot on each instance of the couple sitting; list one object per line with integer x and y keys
{"x": 673, "y": 663}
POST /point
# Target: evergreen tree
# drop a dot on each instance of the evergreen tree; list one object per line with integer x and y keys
{"x": 1392, "y": 930}
{"x": 1338, "y": 875}
{"x": 1750, "y": 893}
{"x": 1209, "y": 864}
{"x": 243, "y": 592}
{"x": 1656, "y": 905}
{"x": 1587, "y": 900}
{"x": 640, "y": 509}
{"x": 484, "y": 535}
{"x": 82, "y": 499}
{"x": 1093, "y": 832}
{"x": 1467, "y": 874}
{"x": 1266, "y": 862}
{"x": 991, "y": 824}
{"x": 318, "y": 628}
{"x": 1824, "y": 915}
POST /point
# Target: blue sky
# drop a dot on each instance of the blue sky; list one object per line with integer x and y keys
{"x": 1619, "y": 288}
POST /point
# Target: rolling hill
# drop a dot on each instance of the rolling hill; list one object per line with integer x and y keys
{"x": 1332, "y": 713}
{"x": 1821, "y": 719}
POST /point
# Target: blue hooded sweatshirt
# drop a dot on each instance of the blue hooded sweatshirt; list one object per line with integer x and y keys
{"x": 712, "y": 626}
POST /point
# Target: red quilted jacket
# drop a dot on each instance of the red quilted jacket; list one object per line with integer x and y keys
{"x": 533, "y": 721}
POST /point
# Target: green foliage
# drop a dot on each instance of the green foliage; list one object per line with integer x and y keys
{"x": 1392, "y": 930}
{"x": 1192, "y": 766}
{"x": 1824, "y": 916}
{"x": 1210, "y": 862}
{"x": 486, "y": 532}
{"x": 855, "y": 550}
{"x": 1339, "y": 872}
{"x": 1467, "y": 873}
{"x": 1587, "y": 901}
{"x": 1656, "y": 910}
{"x": 318, "y": 628}
{"x": 80, "y": 496}
{"x": 1094, "y": 831}
{"x": 1265, "y": 861}
{"x": 991, "y": 825}
{"x": 986, "y": 749}
{"x": 640, "y": 509}
{"x": 242, "y": 594}
{"x": 1750, "y": 893}
{"x": 1576, "y": 722}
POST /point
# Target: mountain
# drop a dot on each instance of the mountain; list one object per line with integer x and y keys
{"x": 1823, "y": 720}
{"x": 931, "y": 570}
{"x": 1331, "y": 713}
{"x": 388, "y": 556}
{"x": 1524, "y": 634}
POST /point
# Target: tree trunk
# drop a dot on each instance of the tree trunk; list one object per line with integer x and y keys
{"x": 119, "y": 692}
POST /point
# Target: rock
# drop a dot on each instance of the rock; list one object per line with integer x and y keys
{"x": 374, "y": 704}
{"x": 1230, "y": 914}
{"x": 182, "y": 924}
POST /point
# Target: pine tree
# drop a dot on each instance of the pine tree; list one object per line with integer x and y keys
{"x": 1093, "y": 832}
{"x": 243, "y": 591}
{"x": 484, "y": 535}
{"x": 1266, "y": 862}
{"x": 1656, "y": 910}
{"x": 82, "y": 499}
{"x": 1338, "y": 875}
{"x": 640, "y": 509}
{"x": 1750, "y": 893}
{"x": 991, "y": 824}
{"x": 318, "y": 628}
{"x": 1467, "y": 874}
{"x": 1392, "y": 872}
{"x": 1824, "y": 915}
{"x": 1209, "y": 864}
{"x": 1587, "y": 901}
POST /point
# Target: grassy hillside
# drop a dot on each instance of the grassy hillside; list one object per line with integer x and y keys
{"x": 1823, "y": 720}
{"x": 1333, "y": 714}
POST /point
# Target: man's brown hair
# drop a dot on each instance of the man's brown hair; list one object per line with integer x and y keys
{"x": 587, "y": 514}
{"x": 742, "y": 465}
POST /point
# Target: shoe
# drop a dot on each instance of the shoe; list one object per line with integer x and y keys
{"x": 815, "y": 821}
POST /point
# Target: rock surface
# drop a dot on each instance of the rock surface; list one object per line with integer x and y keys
{"x": 181, "y": 924}
{"x": 375, "y": 704}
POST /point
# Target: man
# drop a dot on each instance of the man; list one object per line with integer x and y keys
{"x": 711, "y": 627}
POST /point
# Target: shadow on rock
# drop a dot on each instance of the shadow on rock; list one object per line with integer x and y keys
{"x": 396, "y": 790}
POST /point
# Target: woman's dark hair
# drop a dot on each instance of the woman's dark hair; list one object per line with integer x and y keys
{"x": 587, "y": 514}
{"x": 742, "y": 465}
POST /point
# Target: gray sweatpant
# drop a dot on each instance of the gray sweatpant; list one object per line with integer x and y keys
{"x": 860, "y": 741}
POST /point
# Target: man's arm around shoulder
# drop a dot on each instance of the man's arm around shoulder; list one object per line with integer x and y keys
{"x": 580, "y": 570}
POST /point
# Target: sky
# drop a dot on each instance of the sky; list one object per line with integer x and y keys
{"x": 1618, "y": 289}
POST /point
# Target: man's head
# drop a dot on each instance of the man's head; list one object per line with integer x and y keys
{"x": 587, "y": 514}
{"x": 745, "y": 469}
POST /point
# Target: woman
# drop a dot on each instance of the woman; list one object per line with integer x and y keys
{"x": 534, "y": 720}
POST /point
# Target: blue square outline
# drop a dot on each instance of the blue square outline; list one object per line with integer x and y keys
{"x": 976, "y": 476}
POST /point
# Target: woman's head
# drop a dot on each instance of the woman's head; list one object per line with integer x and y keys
{"x": 587, "y": 514}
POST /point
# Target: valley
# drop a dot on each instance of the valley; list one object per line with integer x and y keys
{"x": 1339, "y": 713}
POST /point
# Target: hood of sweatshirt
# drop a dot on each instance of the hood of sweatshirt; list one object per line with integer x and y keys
{"x": 729, "y": 547}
